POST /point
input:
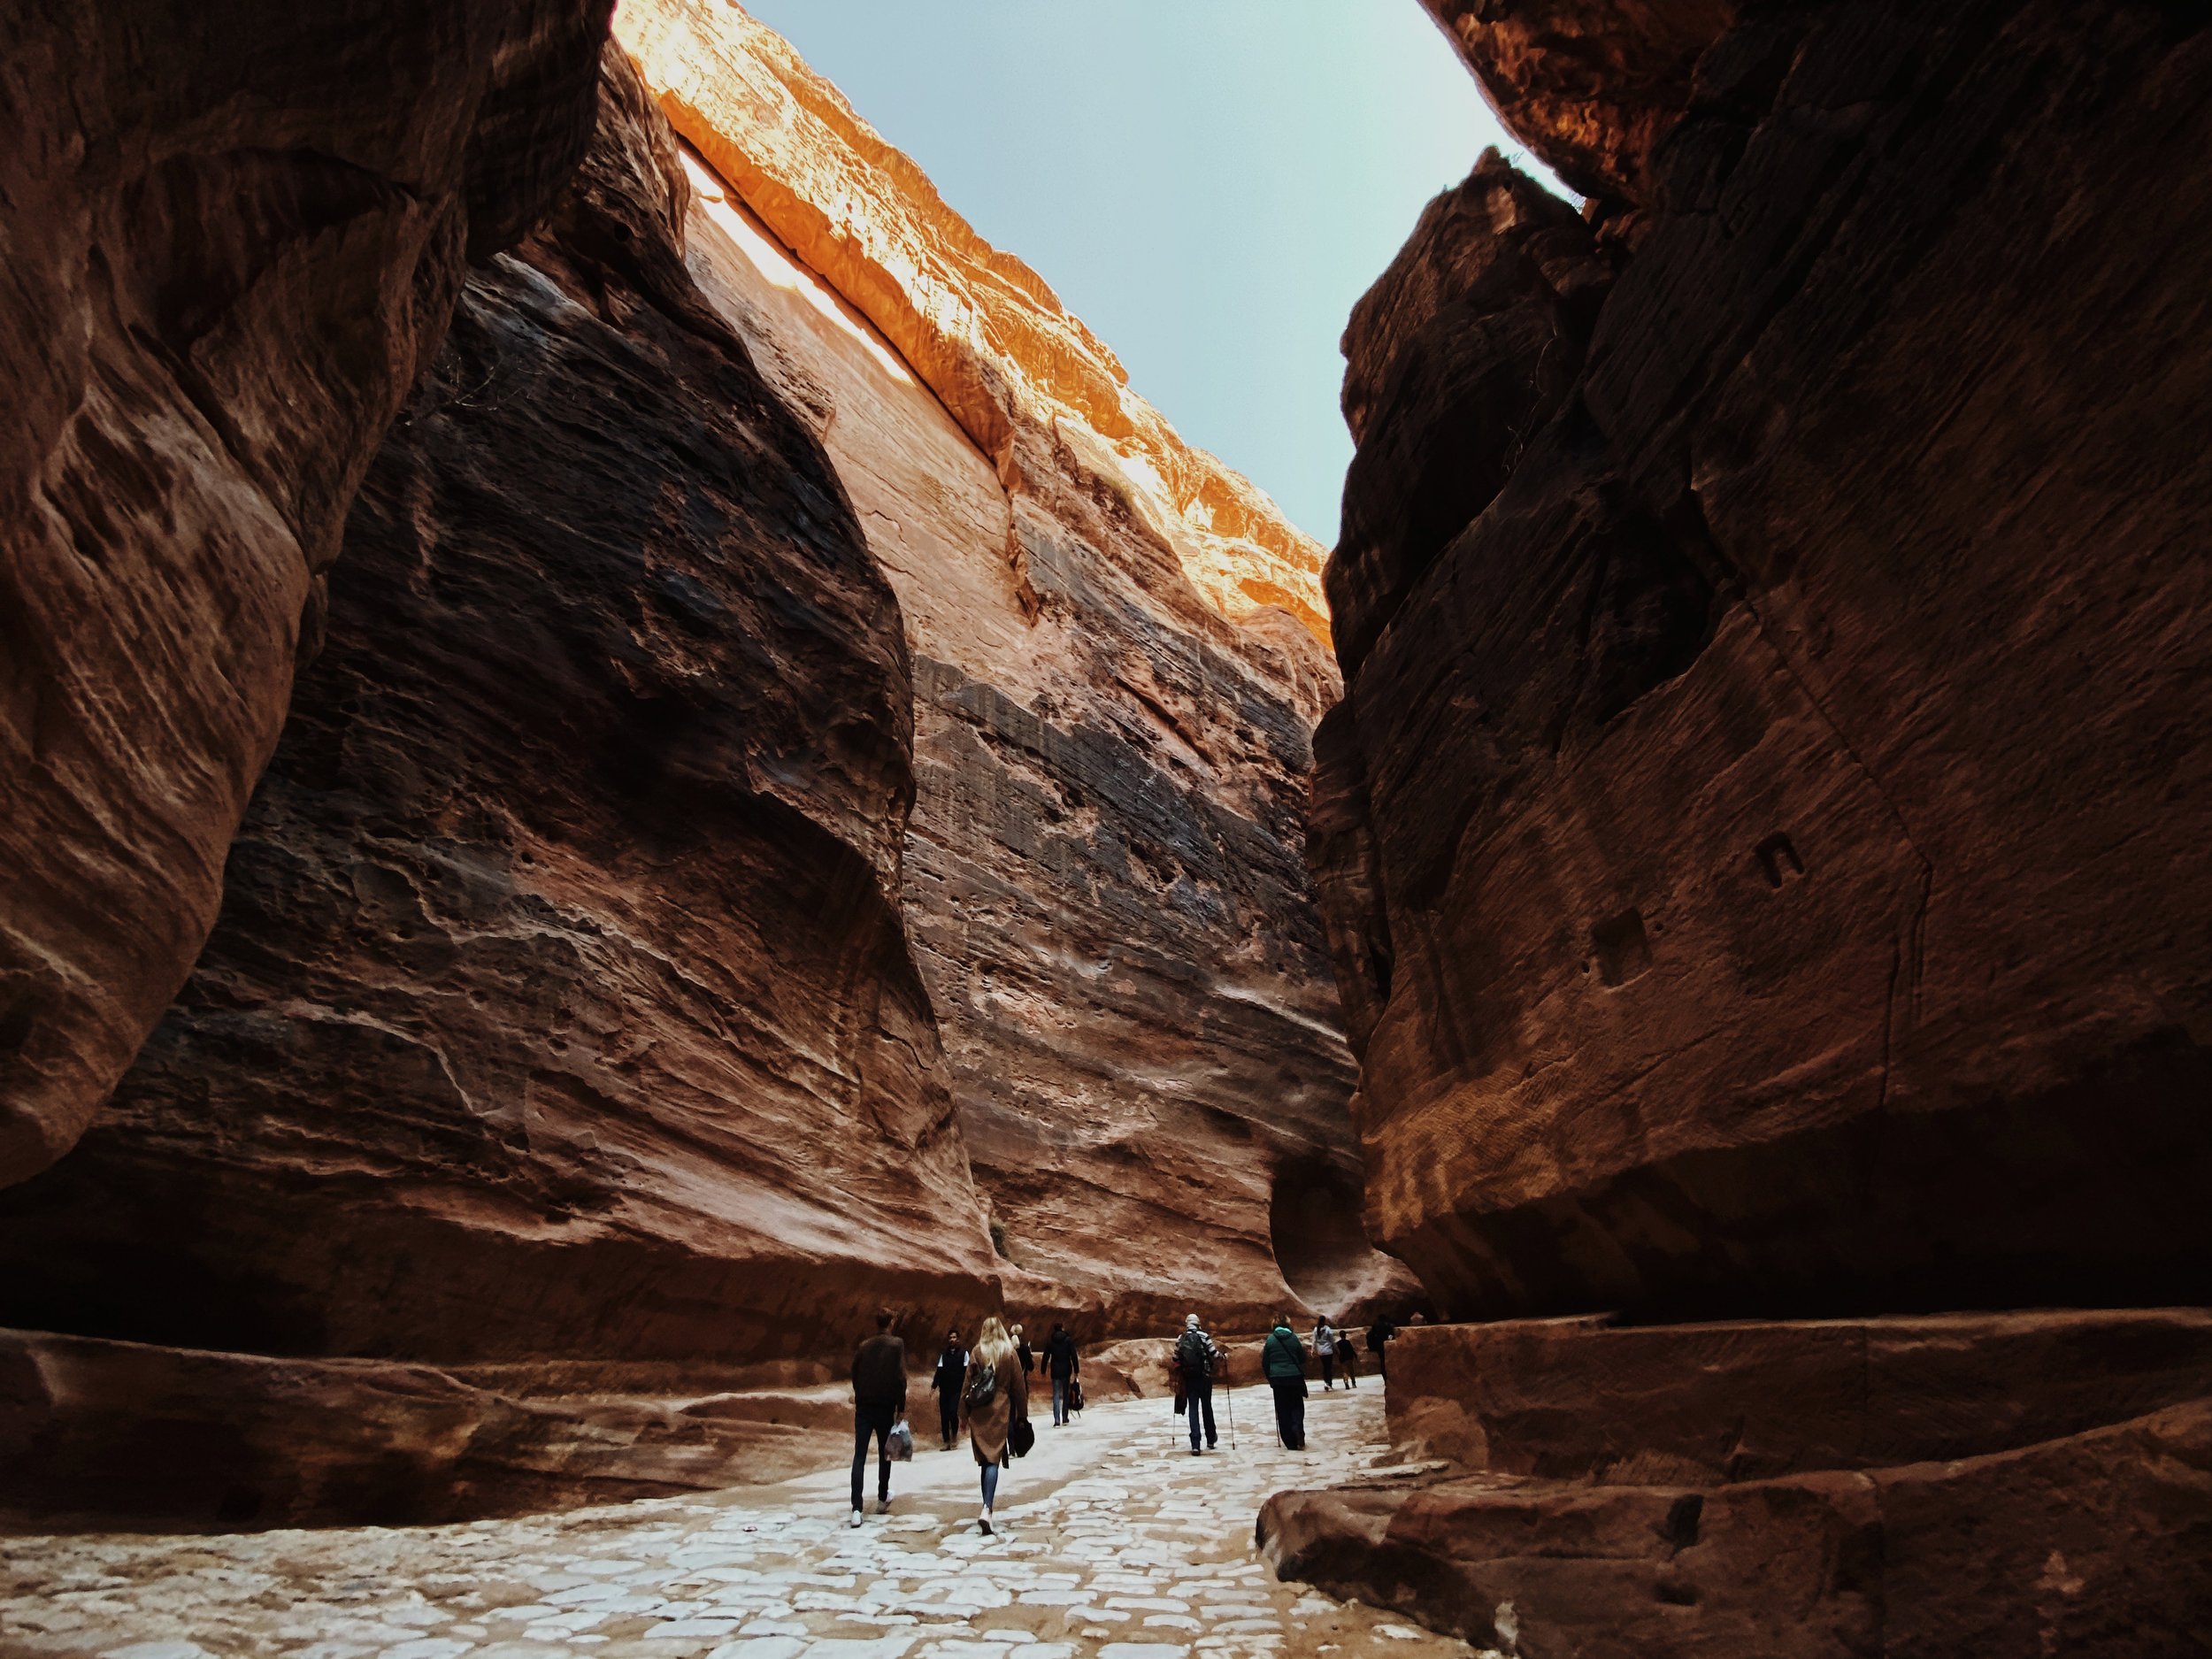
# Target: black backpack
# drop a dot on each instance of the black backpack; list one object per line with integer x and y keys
{"x": 1195, "y": 1354}
{"x": 982, "y": 1386}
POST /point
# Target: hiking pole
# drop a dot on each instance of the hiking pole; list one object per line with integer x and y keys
{"x": 1229, "y": 1397}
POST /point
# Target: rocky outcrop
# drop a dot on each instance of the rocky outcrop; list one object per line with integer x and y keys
{"x": 1118, "y": 655}
{"x": 1754, "y": 833}
{"x": 560, "y": 1005}
{"x": 2094, "y": 1544}
{"x": 234, "y": 235}
{"x": 100, "y": 1435}
{"x": 1751, "y": 834}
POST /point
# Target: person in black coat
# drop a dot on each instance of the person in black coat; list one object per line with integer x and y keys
{"x": 1061, "y": 1365}
{"x": 879, "y": 1401}
{"x": 951, "y": 1378}
{"x": 1378, "y": 1339}
{"x": 1023, "y": 1353}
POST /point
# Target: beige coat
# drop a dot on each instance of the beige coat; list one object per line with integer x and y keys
{"x": 989, "y": 1428}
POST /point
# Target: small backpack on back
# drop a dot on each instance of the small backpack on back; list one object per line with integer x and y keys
{"x": 982, "y": 1388}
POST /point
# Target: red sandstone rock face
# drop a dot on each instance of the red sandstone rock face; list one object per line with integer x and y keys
{"x": 560, "y": 1004}
{"x": 99, "y": 1435}
{"x": 1591, "y": 85}
{"x": 234, "y": 234}
{"x": 1116, "y": 671}
{"x": 1957, "y": 1487}
{"x": 1756, "y": 838}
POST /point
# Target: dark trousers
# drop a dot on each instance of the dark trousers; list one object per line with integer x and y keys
{"x": 949, "y": 1414}
{"x": 1347, "y": 1358}
{"x": 1328, "y": 1370}
{"x": 1059, "y": 1401}
{"x": 873, "y": 1421}
{"x": 1203, "y": 1397}
{"x": 1290, "y": 1410}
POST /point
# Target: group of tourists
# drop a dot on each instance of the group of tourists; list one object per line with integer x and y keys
{"x": 987, "y": 1389}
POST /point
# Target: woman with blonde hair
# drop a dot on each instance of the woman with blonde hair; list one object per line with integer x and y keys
{"x": 995, "y": 1399}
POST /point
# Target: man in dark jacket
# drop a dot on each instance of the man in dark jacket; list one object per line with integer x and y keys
{"x": 951, "y": 1378}
{"x": 1062, "y": 1365}
{"x": 879, "y": 1401}
{"x": 1283, "y": 1360}
{"x": 1197, "y": 1361}
{"x": 1379, "y": 1337}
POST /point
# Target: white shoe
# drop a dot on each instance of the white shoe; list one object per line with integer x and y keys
{"x": 983, "y": 1521}
{"x": 855, "y": 1520}
{"x": 883, "y": 1506}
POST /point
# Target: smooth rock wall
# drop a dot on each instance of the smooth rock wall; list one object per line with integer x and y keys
{"x": 234, "y": 235}
{"x": 560, "y": 1006}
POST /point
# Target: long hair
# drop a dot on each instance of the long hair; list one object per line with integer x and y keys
{"x": 992, "y": 1345}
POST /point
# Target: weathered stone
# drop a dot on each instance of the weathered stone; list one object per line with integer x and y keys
{"x": 234, "y": 234}
{"x": 2098, "y": 1543}
{"x": 1593, "y": 87}
{"x": 1701, "y": 1404}
{"x": 106, "y": 1435}
{"x": 560, "y": 1004}
{"x": 1117, "y": 658}
{"x": 1754, "y": 839}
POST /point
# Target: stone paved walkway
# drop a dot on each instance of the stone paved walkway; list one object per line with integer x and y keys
{"x": 1113, "y": 1541}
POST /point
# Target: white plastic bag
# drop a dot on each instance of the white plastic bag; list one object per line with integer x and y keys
{"x": 900, "y": 1445}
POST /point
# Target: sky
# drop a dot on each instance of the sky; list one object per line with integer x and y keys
{"x": 1209, "y": 184}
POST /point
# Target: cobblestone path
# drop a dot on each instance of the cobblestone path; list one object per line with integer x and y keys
{"x": 1112, "y": 1541}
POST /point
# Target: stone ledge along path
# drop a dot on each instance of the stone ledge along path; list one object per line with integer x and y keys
{"x": 1112, "y": 1541}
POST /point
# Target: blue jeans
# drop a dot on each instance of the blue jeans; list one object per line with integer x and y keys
{"x": 874, "y": 1421}
{"x": 1059, "y": 1401}
{"x": 990, "y": 1484}
{"x": 1202, "y": 1395}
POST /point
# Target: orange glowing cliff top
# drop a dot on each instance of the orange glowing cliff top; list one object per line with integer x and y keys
{"x": 985, "y": 332}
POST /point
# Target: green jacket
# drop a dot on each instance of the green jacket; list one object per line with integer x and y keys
{"x": 1284, "y": 1355}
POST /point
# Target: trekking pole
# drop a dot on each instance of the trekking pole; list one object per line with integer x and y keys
{"x": 1229, "y": 1397}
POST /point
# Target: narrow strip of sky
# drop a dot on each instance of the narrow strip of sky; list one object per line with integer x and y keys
{"x": 1209, "y": 184}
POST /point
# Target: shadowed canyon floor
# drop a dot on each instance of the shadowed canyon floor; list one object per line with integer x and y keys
{"x": 1113, "y": 1540}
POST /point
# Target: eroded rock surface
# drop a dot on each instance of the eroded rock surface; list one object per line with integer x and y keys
{"x": 234, "y": 235}
{"x": 560, "y": 1005}
{"x": 1756, "y": 833}
{"x": 1118, "y": 657}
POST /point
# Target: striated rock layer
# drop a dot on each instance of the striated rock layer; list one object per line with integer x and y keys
{"x": 560, "y": 1004}
{"x": 1760, "y": 839}
{"x": 1956, "y": 1486}
{"x": 234, "y": 235}
{"x": 1762, "y": 833}
{"x": 1118, "y": 655}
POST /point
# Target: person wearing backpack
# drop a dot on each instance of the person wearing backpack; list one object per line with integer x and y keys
{"x": 1347, "y": 1357}
{"x": 951, "y": 1376}
{"x": 879, "y": 1401}
{"x": 993, "y": 1400}
{"x": 1283, "y": 1361}
{"x": 1196, "y": 1361}
{"x": 1061, "y": 1366}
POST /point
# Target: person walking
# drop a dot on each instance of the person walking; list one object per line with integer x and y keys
{"x": 1283, "y": 1361}
{"x": 995, "y": 1399}
{"x": 951, "y": 1378}
{"x": 879, "y": 1401}
{"x": 1023, "y": 1353}
{"x": 1198, "y": 1360}
{"x": 1348, "y": 1357}
{"x": 1061, "y": 1366}
{"x": 1379, "y": 1335}
{"x": 1324, "y": 1351}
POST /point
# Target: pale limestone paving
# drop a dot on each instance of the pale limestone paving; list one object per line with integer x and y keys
{"x": 1113, "y": 1541}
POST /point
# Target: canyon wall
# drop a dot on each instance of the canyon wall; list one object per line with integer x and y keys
{"x": 1119, "y": 651}
{"x": 233, "y": 241}
{"x": 1759, "y": 837}
{"x": 560, "y": 1004}
{"x": 1758, "y": 834}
